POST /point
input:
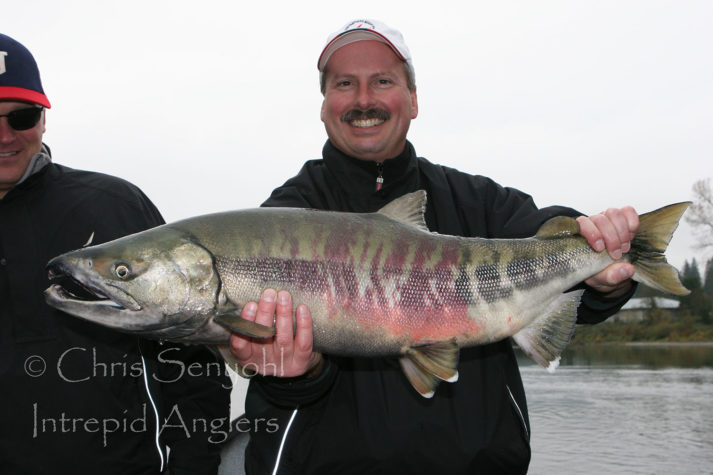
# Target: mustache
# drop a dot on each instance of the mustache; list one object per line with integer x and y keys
{"x": 356, "y": 114}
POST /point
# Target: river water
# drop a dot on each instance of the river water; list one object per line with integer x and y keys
{"x": 634, "y": 409}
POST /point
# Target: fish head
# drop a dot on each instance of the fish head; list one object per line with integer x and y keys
{"x": 159, "y": 283}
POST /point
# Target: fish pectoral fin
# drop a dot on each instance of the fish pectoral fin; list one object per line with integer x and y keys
{"x": 558, "y": 226}
{"x": 425, "y": 366}
{"x": 547, "y": 337}
{"x": 236, "y": 324}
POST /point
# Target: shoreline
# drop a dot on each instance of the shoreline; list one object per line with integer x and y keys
{"x": 650, "y": 343}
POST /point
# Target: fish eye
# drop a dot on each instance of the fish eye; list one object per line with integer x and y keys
{"x": 122, "y": 271}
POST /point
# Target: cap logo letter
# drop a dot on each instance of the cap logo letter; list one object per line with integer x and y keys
{"x": 2, "y": 61}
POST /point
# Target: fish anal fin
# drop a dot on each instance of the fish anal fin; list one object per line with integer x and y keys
{"x": 236, "y": 324}
{"x": 408, "y": 209}
{"x": 558, "y": 226}
{"x": 547, "y": 337}
{"x": 424, "y": 383}
{"x": 426, "y": 365}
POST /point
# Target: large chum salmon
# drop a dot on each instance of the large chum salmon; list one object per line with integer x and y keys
{"x": 377, "y": 284}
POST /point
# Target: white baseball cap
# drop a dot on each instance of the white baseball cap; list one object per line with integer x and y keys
{"x": 361, "y": 30}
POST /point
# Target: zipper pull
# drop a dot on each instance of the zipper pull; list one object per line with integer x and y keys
{"x": 380, "y": 176}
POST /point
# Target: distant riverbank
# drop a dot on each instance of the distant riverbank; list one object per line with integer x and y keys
{"x": 665, "y": 331}
{"x": 665, "y": 343}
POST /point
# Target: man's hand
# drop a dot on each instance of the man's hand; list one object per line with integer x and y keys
{"x": 287, "y": 354}
{"x": 612, "y": 231}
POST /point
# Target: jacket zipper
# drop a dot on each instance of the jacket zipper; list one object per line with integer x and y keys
{"x": 380, "y": 176}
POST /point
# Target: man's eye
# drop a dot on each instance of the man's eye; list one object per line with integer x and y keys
{"x": 344, "y": 83}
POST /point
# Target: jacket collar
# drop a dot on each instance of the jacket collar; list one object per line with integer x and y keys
{"x": 353, "y": 175}
{"x": 37, "y": 163}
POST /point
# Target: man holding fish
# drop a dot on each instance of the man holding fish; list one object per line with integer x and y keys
{"x": 341, "y": 414}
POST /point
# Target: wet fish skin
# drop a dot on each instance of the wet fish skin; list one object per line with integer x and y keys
{"x": 376, "y": 284}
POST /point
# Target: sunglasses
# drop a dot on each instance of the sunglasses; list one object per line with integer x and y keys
{"x": 24, "y": 119}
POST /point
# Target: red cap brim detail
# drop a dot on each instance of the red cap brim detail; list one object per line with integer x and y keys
{"x": 24, "y": 95}
{"x": 379, "y": 37}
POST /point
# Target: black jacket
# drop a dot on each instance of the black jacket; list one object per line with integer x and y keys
{"x": 77, "y": 397}
{"x": 360, "y": 415}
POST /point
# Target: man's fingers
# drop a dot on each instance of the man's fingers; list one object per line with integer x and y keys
{"x": 611, "y": 277}
{"x": 589, "y": 230}
{"x": 284, "y": 332}
{"x": 249, "y": 311}
{"x": 266, "y": 308}
{"x": 241, "y": 347}
{"x": 609, "y": 234}
{"x": 612, "y": 230}
{"x": 304, "y": 355}
{"x": 632, "y": 219}
{"x": 303, "y": 338}
{"x": 622, "y": 225}
{"x": 290, "y": 352}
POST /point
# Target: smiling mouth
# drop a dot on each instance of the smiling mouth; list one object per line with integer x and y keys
{"x": 8, "y": 154}
{"x": 365, "y": 123}
{"x": 363, "y": 119}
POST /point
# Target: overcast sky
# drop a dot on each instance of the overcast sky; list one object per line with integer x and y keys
{"x": 209, "y": 105}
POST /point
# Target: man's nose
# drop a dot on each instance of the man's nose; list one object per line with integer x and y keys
{"x": 7, "y": 134}
{"x": 365, "y": 97}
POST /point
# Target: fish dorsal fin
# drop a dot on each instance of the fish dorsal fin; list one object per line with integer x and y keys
{"x": 408, "y": 209}
{"x": 558, "y": 226}
{"x": 425, "y": 366}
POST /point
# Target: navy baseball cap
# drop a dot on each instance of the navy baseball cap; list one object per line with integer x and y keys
{"x": 19, "y": 76}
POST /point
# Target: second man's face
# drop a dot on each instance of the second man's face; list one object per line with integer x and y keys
{"x": 17, "y": 147}
{"x": 367, "y": 106}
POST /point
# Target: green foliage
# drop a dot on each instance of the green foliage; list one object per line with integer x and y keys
{"x": 708, "y": 279}
{"x": 698, "y": 303}
{"x": 691, "y": 276}
{"x": 658, "y": 327}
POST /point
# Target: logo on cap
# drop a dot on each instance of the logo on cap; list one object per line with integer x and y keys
{"x": 2, "y": 62}
{"x": 360, "y": 24}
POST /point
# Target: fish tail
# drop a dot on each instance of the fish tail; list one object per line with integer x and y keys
{"x": 547, "y": 337}
{"x": 648, "y": 246}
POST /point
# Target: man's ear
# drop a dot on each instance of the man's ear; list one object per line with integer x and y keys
{"x": 414, "y": 104}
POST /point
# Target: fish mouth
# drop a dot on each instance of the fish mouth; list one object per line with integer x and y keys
{"x": 66, "y": 289}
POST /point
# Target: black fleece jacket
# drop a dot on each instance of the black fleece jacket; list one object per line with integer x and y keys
{"x": 360, "y": 415}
